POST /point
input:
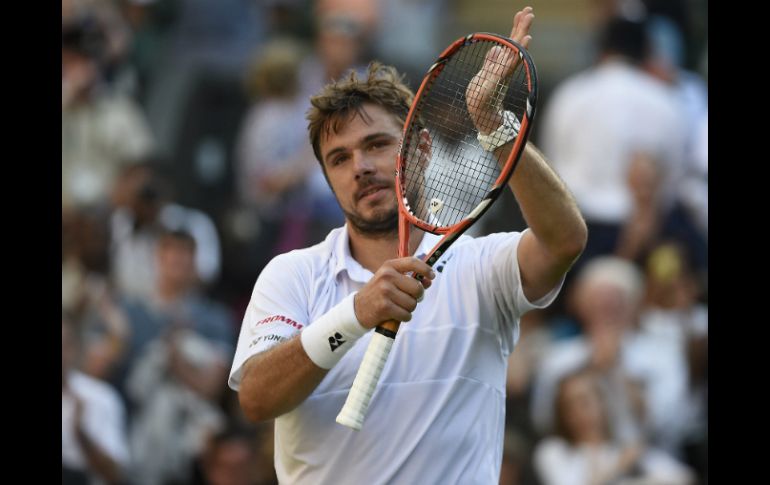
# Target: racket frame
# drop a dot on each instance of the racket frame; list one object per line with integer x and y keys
{"x": 452, "y": 232}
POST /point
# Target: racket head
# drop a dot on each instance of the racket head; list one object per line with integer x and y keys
{"x": 445, "y": 180}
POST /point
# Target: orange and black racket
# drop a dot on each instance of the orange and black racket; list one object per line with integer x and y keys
{"x": 462, "y": 139}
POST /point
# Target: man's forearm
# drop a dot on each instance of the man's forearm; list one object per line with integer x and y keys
{"x": 548, "y": 207}
{"x": 557, "y": 233}
{"x": 278, "y": 380}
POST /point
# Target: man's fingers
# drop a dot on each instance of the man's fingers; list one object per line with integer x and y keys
{"x": 516, "y": 19}
{"x": 412, "y": 265}
{"x": 525, "y": 41}
{"x": 492, "y": 59}
{"x": 405, "y": 300}
{"x": 522, "y": 21}
{"x": 410, "y": 286}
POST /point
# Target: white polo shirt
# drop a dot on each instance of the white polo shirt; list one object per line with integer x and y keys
{"x": 438, "y": 413}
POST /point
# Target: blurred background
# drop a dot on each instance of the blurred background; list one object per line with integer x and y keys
{"x": 186, "y": 167}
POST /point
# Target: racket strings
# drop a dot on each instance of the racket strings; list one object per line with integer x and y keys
{"x": 446, "y": 172}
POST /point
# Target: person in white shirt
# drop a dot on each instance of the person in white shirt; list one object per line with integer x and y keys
{"x": 438, "y": 413}
{"x": 599, "y": 121}
{"x": 103, "y": 130}
{"x": 144, "y": 209}
{"x": 582, "y": 451}
{"x": 607, "y": 296}
{"x": 93, "y": 433}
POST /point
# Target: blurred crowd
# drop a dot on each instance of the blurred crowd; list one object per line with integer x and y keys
{"x": 186, "y": 167}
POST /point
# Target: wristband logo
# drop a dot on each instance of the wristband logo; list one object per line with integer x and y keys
{"x": 336, "y": 340}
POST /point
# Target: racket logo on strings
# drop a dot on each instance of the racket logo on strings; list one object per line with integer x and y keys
{"x": 435, "y": 205}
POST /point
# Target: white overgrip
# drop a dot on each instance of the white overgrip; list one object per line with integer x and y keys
{"x": 354, "y": 411}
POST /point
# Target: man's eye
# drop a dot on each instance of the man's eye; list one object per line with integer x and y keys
{"x": 339, "y": 159}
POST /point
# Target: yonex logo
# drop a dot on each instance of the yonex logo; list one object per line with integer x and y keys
{"x": 436, "y": 205}
{"x": 336, "y": 341}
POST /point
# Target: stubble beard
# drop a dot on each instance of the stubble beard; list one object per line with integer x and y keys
{"x": 382, "y": 224}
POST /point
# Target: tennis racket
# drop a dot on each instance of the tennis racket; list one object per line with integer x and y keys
{"x": 445, "y": 180}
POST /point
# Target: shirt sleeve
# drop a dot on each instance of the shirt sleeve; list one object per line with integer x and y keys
{"x": 276, "y": 312}
{"x": 500, "y": 280}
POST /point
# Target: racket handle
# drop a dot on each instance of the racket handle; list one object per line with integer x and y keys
{"x": 354, "y": 411}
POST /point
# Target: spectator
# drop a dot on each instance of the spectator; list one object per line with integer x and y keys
{"x": 177, "y": 367}
{"x": 606, "y": 299}
{"x": 675, "y": 319}
{"x": 176, "y": 304}
{"x": 94, "y": 446}
{"x": 275, "y": 164}
{"x": 143, "y": 211}
{"x": 583, "y": 452}
{"x": 236, "y": 456}
{"x": 598, "y": 121}
{"x": 102, "y": 131}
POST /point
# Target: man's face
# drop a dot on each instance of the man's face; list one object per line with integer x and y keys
{"x": 360, "y": 161}
{"x": 340, "y": 41}
{"x": 176, "y": 262}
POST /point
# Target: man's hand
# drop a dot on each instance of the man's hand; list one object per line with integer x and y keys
{"x": 392, "y": 294}
{"x": 483, "y": 94}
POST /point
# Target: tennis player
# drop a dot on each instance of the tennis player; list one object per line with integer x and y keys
{"x": 439, "y": 410}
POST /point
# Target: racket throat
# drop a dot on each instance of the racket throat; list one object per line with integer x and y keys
{"x": 403, "y": 236}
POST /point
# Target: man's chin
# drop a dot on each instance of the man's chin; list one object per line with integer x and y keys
{"x": 384, "y": 223}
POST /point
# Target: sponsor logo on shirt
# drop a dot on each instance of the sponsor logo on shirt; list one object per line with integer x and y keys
{"x": 267, "y": 338}
{"x": 440, "y": 265}
{"x": 277, "y": 318}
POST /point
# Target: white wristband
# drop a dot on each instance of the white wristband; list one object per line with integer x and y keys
{"x": 505, "y": 133}
{"x": 330, "y": 337}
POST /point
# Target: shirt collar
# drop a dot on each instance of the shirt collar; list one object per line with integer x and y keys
{"x": 343, "y": 260}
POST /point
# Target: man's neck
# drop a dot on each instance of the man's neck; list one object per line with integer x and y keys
{"x": 372, "y": 251}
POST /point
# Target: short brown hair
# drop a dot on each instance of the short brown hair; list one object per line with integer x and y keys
{"x": 561, "y": 426}
{"x": 181, "y": 236}
{"x": 334, "y": 104}
{"x": 276, "y": 71}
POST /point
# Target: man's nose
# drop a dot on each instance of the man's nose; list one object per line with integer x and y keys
{"x": 363, "y": 164}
